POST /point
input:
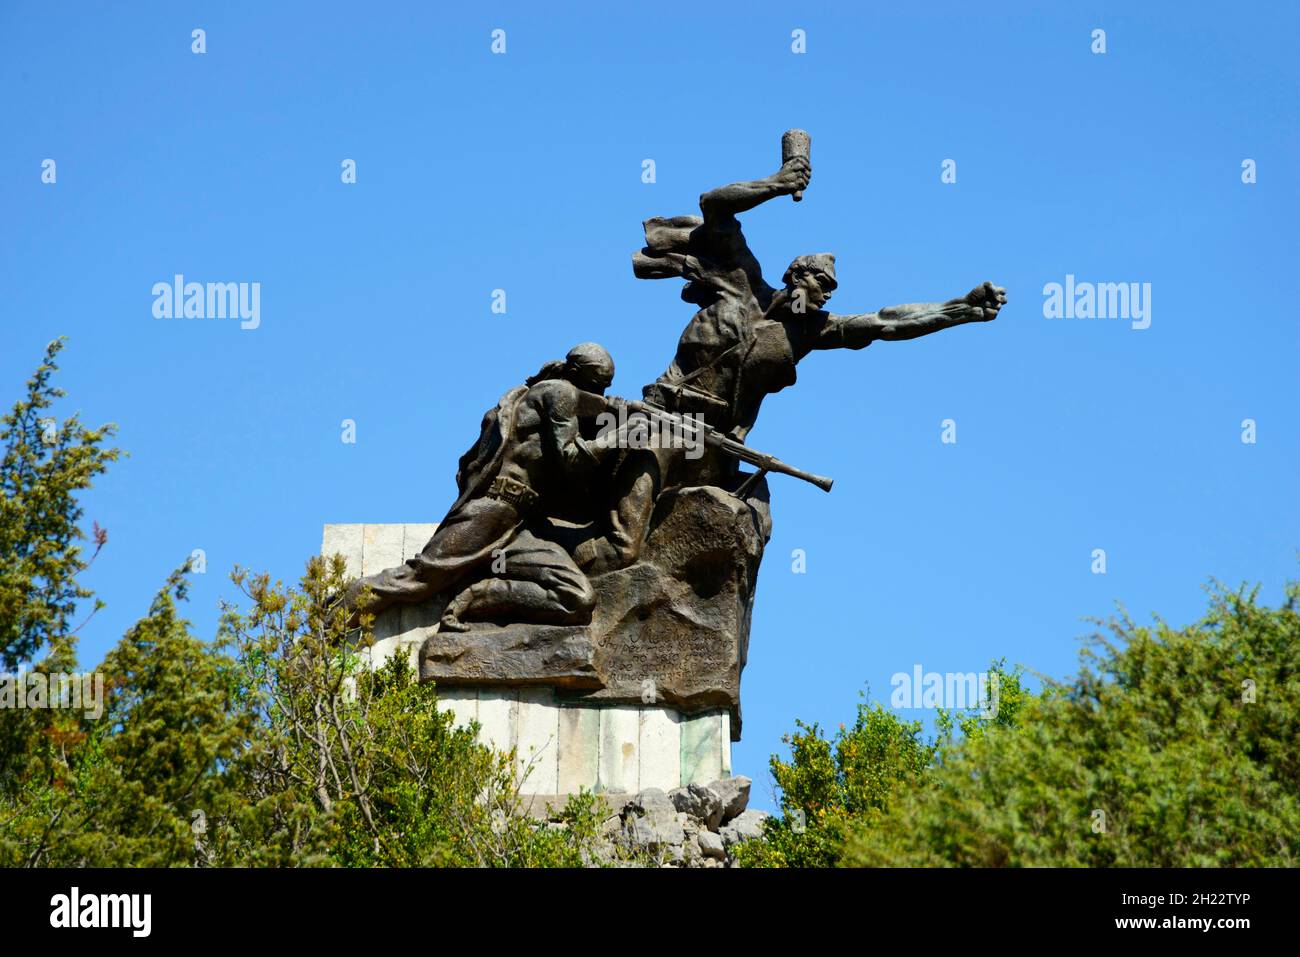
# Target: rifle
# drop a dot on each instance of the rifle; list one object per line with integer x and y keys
{"x": 729, "y": 446}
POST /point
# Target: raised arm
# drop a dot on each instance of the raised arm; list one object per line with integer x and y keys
{"x": 911, "y": 321}
{"x": 727, "y": 201}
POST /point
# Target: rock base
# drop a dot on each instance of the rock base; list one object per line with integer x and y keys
{"x": 697, "y": 826}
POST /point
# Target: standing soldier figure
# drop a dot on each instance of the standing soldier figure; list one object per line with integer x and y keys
{"x": 744, "y": 342}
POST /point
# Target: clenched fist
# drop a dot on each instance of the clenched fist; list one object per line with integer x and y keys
{"x": 794, "y": 174}
{"x": 984, "y": 301}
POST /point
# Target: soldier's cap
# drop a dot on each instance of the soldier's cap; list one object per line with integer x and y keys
{"x": 591, "y": 355}
{"x": 823, "y": 263}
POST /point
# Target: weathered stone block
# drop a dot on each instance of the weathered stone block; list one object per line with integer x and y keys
{"x": 555, "y": 656}
{"x": 620, "y": 755}
{"x": 498, "y": 712}
{"x": 381, "y": 548}
{"x": 702, "y": 747}
{"x": 345, "y": 540}
{"x": 461, "y": 702}
{"x": 746, "y": 827}
{"x": 537, "y": 737}
{"x": 660, "y": 747}
{"x": 650, "y": 820}
{"x": 415, "y": 535}
{"x": 700, "y": 802}
{"x": 579, "y": 747}
{"x": 733, "y": 793}
{"x": 711, "y": 845}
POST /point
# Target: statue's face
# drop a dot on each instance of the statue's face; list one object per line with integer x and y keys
{"x": 814, "y": 287}
{"x": 593, "y": 378}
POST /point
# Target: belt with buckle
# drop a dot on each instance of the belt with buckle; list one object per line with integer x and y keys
{"x": 509, "y": 490}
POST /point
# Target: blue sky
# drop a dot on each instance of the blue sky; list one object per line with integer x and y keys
{"x": 523, "y": 172}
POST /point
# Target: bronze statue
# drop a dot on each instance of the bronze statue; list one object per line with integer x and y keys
{"x": 575, "y": 558}
{"x": 745, "y": 341}
{"x": 529, "y": 447}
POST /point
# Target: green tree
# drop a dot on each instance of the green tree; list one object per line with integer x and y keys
{"x": 359, "y": 767}
{"x": 44, "y": 468}
{"x": 828, "y": 785}
{"x": 133, "y": 785}
{"x": 1171, "y": 748}
{"x": 830, "y": 789}
{"x": 273, "y": 746}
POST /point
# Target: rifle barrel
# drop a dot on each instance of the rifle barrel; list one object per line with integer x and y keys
{"x": 731, "y": 447}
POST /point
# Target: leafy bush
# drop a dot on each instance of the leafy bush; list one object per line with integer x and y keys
{"x": 830, "y": 789}
{"x": 357, "y": 767}
{"x": 1171, "y": 748}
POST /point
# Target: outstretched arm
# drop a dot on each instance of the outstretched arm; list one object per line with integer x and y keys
{"x": 738, "y": 197}
{"x": 911, "y": 321}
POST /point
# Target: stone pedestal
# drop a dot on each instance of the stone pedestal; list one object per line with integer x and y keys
{"x": 369, "y": 549}
{"x": 563, "y": 748}
{"x": 563, "y": 744}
